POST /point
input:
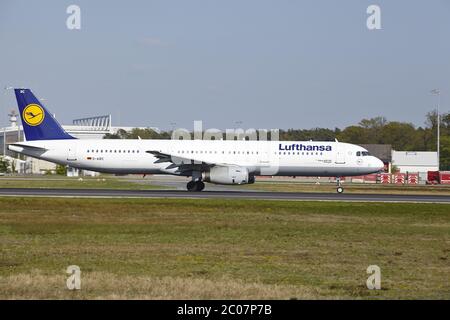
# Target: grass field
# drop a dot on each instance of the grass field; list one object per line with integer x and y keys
{"x": 188, "y": 249}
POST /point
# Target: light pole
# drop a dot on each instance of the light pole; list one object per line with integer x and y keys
{"x": 438, "y": 93}
{"x": 4, "y": 127}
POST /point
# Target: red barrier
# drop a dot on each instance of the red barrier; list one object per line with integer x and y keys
{"x": 413, "y": 178}
{"x": 399, "y": 178}
{"x": 385, "y": 178}
{"x": 445, "y": 177}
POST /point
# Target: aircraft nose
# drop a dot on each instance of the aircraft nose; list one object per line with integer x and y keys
{"x": 379, "y": 164}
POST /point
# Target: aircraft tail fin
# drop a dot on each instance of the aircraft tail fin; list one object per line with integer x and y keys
{"x": 38, "y": 123}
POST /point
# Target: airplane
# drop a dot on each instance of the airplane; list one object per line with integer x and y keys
{"x": 227, "y": 162}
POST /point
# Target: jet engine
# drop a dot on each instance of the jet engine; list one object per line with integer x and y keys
{"x": 227, "y": 175}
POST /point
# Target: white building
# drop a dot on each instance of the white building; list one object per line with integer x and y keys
{"x": 415, "y": 161}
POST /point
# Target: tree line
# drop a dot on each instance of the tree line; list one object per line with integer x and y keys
{"x": 402, "y": 136}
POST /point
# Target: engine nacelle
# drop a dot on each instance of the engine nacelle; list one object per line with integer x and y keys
{"x": 227, "y": 175}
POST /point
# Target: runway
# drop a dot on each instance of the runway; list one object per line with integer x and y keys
{"x": 258, "y": 195}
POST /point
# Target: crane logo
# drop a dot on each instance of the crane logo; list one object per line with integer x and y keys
{"x": 33, "y": 114}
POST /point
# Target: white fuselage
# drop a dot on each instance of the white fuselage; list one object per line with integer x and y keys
{"x": 284, "y": 158}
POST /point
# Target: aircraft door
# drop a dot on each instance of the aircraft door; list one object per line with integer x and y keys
{"x": 72, "y": 153}
{"x": 340, "y": 154}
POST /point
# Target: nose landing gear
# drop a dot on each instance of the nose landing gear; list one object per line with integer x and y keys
{"x": 195, "y": 185}
{"x": 339, "y": 188}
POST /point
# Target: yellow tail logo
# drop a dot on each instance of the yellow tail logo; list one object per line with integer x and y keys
{"x": 33, "y": 114}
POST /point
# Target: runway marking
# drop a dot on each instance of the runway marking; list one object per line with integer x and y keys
{"x": 175, "y": 194}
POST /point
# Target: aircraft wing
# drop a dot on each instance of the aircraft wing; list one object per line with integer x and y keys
{"x": 184, "y": 165}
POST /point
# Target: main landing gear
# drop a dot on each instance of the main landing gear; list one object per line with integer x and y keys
{"x": 339, "y": 188}
{"x": 198, "y": 185}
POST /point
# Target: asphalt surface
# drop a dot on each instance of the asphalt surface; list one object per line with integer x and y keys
{"x": 111, "y": 193}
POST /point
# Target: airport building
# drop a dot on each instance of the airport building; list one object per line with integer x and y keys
{"x": 415, "y": 161}
{"x": 85, "y": 128}
{"x": 404, "y": 161}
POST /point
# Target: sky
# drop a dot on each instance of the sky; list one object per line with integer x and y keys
{"x": 230, "y": 63}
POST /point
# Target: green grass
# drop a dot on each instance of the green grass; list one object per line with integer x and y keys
{"x": 60, "y": 182}
{"x": 157, "y": 248}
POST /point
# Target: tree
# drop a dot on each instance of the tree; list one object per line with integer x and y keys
{"x": 4, "y": 165}
{"x": 354, "y": 134}
{"x": 400, "y": 135}
{"x": 445, "y": 153}
{"x": 61, "y": 170}
{"x": 373, "y": 128}
{"x": 120, "y": 134}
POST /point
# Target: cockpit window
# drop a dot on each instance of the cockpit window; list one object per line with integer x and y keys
{"x": 362, "y": 153}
